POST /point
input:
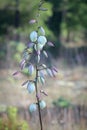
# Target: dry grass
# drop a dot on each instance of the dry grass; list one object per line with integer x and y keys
{"x": 68, "y": 83}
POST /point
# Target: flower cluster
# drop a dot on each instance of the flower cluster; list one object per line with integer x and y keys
{"x": 37, "y": 44}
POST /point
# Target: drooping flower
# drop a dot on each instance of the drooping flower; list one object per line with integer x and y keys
{"x": 31, "y": 69}
{"x": 42, "y": 104}
{"x": 33, "y": 36}
{"x": 32, "y": 107}
{"x": 31, "y": 87}
{"x": 42, "y": 40}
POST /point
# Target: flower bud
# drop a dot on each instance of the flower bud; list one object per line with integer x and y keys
{"x": 41, "y": 31}
{"x": 42, "y": 104}
{"x": 33, "y": 36}
{"x": 42, "y": 40}
{"x": 31, "y": 69}
{"x": 32, "y": 21}
{"x": 38, "y": 47}
{"x": 31, "y": 87}
{"x": 45, "y": 53}
{"x": 26, "y": 56}
{"x": 49, "y": 72}
{"x": 32, "y": 107}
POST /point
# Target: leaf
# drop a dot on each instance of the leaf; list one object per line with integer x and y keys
{"x": 45, "y": 53}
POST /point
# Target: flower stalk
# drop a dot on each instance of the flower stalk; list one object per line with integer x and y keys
{"x": 36, "y": 45}
{"x": 38, "y": 99}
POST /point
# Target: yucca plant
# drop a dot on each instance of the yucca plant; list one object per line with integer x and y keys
{"x": 37, "y": 47}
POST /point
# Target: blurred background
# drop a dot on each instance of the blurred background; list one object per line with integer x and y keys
{"x": 65, "y": 23}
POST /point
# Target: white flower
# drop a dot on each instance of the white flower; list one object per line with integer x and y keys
{"x": 32, "y": 107}
{"x": 33, "y": 36}
{"x": 38, "y": 47}
{"x": 31, "y": 87}
{"x": 42, "y": 104}
{"x": 31, "y": 69}
{"x": 42, "y": 40}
